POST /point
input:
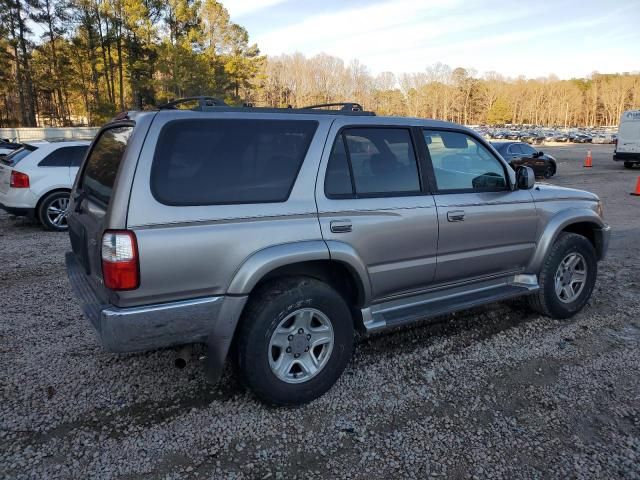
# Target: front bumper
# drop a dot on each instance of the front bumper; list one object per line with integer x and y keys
{"x": 210, "y": 320}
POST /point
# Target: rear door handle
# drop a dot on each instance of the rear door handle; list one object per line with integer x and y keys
{"x": 341, "y": 226}
{"x": 455, "y": 215}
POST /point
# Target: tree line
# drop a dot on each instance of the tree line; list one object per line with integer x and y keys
{"x": 72, "y": 62}
{"x": 64, "y": 62}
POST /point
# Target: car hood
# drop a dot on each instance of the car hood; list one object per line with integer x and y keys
{"x": 545, "y": 192}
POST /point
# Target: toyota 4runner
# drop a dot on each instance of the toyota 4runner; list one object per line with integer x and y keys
{"x": 282, "y": 231}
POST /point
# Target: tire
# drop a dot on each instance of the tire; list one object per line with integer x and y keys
{"x": 546, "y": 300}
{"x": 548, "y": 171}
{"x": 52, "y": 211}
{"x": 273, "y": 317}
{"x": 628, "y": 164}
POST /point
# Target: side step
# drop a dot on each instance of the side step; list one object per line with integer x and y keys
{"x": 408, "y": 310}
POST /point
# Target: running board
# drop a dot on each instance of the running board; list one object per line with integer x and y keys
{"x": 406, "y": 310}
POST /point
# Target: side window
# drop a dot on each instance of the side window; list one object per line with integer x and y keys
{"x": 337, "y": 180}
{"x": 515, "y": 149}
{"x": 231, "y": 161}
{"x": 77, "y": 155}
{"x": 527, "y": 150}
{"x": 461, "y": 163}
{"x": 60, "y": 157}
{"x": 382, "y": 160}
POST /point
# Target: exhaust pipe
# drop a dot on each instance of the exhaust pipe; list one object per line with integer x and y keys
{"x": 182, "y": 357}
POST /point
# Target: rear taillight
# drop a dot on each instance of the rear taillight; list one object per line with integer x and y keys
{"x": 19, "y": 180}
{"x": 120, "y": 260}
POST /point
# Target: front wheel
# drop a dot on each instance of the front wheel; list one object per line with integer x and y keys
{"x": 53, "y": 211}
{"x": 548, "y": 171}
{"x": 628, "y": 164}
{"x": 295, "y": 340}
{"x": 567, "y": 277}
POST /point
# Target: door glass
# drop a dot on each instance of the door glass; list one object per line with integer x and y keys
{"x": 337, "y": 181}
{"x": 515, "y": 149}
{"x": 461, "y": 163}
{"x": 383, "y": 161}
{"x": 61, "y": 157}
{"x": 527, "y": 150}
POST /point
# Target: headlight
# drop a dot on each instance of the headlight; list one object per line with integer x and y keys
{"x": 600, "y": 209}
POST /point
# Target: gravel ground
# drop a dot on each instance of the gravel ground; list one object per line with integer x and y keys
{"x": 493, "y": 392}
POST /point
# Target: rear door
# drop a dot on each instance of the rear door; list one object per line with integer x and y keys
{"x": 371, "y": 197}
{"x": 92, "y": 198}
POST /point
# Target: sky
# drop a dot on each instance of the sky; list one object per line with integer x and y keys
{"x": 568, "y": 38}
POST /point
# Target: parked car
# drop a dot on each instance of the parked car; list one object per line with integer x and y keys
{"x": 281, "y": 231}
{"x": 36, "y": 179}
{"x": 581, "y": 138}
{"x": 628, "y": 139}
{"x": 518, "y": 153}
{"x": 532, "y": 138}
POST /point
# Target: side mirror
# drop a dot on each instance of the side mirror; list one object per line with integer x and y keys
{"x": 525, "y": 178}
{"x": 540, "y": 153}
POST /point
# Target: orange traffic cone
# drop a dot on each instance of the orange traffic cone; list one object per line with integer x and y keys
{"x": 637, "y": 192}
{"x": 588, "y": 161}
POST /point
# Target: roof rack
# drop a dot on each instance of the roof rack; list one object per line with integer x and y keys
{"x": 212, "y": 104}
{"x": 345, "y": 106}
{"x": 202, "y": 103}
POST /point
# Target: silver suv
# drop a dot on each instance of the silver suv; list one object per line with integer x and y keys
{"x": 279, "y": 232}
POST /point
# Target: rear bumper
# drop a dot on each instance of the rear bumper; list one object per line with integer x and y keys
{"x": 210, "y": 320}
{"x": 626, "y": 157}
{"x": 19, "y": 211}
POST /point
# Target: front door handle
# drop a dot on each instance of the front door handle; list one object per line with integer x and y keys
{"x": 341, "y": 226}
{"x": 455, "y": 215}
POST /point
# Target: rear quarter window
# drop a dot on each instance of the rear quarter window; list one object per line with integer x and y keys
{"x": 101, "y": 167}
{"x": 215, "y": 162}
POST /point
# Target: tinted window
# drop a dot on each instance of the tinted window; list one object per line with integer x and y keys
{"x": 102, "y": 165}
{"x": 515, "y": 149}
{"x": 208, "y": 162}
{"x": 14, "y": 157}
{"x": 461, "y": 163}
{"x": 337, "y": 181}
{"x": 77, "y": 155}
{"x": 382, "y": 160}
{"x": 63, "y": 157}
{"x": 527, "y": 150}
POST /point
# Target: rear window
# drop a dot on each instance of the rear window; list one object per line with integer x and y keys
{"x": 102, "y": 164}
{"x": 213, "y": 162}
{"x": 14, "y": 157}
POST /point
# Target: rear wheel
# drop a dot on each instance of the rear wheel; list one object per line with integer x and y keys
{"x": 628, "y": 164}
{"x": 567, "y": 277}
{"x": 53, "y": 211}
{"x": 295, "y": 340}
